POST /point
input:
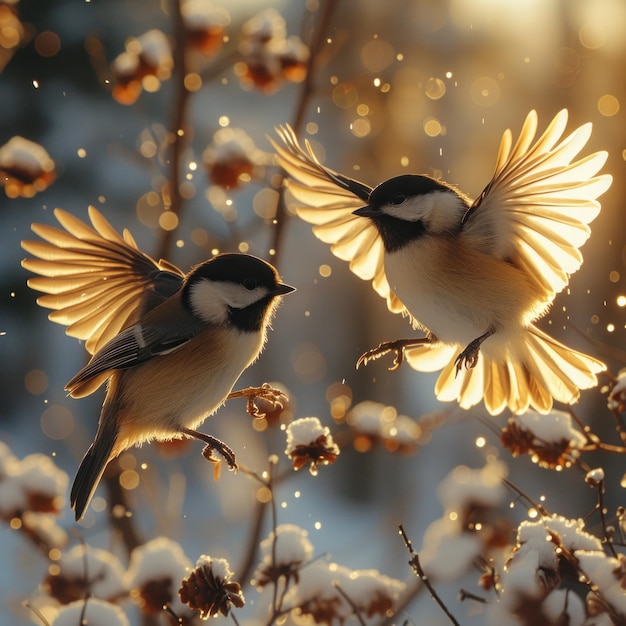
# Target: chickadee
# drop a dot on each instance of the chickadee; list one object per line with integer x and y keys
{"x": 473, "y": 275}
{"x": 170, "y": 345}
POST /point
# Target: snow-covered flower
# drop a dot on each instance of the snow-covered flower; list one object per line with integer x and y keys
{"x": 146, "y": 62}
{"x": 310, "y": 443}
{"x": 90, "y": 611}
{"x": 551, "y": 440}
{"x": 210, "y": 588}
{"x": 548, "y": 551}
{"x": 323, "y": 590}
{"x": 608, "y": 577}
{"x": 25, "y": 168}
{"x": 525, "y": 599}
{"x": 553, "y": 539}
{"x": 86, "y": 571}
{"x": 373, "y": 424}
{"x": 32, "y": 484}
{"x": 471, "y": 523}
{"x": 283, "y": 554}
{"x": 206, "y": 26}
{"x": 269, "y": 56}
{"x": 232, "y": 159}
{"x": 154, "y": 575}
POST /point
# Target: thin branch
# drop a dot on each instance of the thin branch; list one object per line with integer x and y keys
{"x": 307, "y": 90}
{"x": 414, "y": 562}
{"x": 245, "y": 570}
{"x": 349, "y": 600}
{"x": 178, "y": 130}
{"x": 538, "y": 507}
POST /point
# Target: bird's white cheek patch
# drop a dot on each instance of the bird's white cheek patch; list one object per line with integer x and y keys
{"x": 208, "y": 303}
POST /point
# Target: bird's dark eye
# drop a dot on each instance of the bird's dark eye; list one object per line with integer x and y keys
{"x": 249, "y": 284}
{"x": 398, "y": 198}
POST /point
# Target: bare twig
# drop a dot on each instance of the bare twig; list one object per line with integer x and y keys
{"x": 307, "y": 90}
{"x": 173, "y": 198}
{"x": 349, "y": 600}
{"x": 244, "y": 571}
{"x": 414, "y": 562}
{"x": 538, "y": 507}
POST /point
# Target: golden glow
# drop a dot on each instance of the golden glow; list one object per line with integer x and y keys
{"x": 608, "y": 105}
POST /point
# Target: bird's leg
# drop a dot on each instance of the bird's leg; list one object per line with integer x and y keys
{"x": 397, "y": 347}
{"x": 275, "y": 397}
{"x": 469, "y": 356}
{"x": 213, "y": 444}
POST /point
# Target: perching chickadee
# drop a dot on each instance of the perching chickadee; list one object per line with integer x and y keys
{"x": 170, "y": 345}
{"x": 472, "y": 274}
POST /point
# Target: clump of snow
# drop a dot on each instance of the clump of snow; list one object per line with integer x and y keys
{"x": 282, "y": 554}
{"x": 156, "y": 563}
{"x": 93, "y": 612}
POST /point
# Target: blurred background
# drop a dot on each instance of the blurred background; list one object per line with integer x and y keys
{"x": 424, "y": 86}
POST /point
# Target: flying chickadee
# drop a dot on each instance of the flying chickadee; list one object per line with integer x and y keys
{"x": 170, "y": 345}
{"x": 473, "y": 275}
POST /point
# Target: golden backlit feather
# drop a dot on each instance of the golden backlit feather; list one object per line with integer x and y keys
{"x": 95, "y": 280}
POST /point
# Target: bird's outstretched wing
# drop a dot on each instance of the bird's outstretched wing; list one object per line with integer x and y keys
{"x": 96, "y": 281}
{"x": 536, "y": 210}
{"x": 328, "y": 200}
{"x": 160, "y": 332}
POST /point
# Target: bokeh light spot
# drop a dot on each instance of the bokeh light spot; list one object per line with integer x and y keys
{"x": 376, "y": 55}
{"x": 47, "y": 43}
{"x": 57, "y": 422}
{"x": 345, "y": 95}
{"x": 435, "y": 88}
{"x": 36, "y": 382}
{"x": 485, "y": 91}
{"x": 608, "y": 105}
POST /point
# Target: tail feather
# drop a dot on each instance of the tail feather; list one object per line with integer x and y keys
{"x": 92, "y": 467}
{"x": 538, "y": 370}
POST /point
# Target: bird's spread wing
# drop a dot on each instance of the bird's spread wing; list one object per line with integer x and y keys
{"x": 536, "y": 210}
{"x": 328, "y": 200}
{"x": 96, "y": 281}
{"x": 160, "y": 332}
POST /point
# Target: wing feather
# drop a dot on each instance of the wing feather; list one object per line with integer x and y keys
{"x": 96, "y": 281}
{"x": 327, "y": 199}
{"x": 536, "y": 210}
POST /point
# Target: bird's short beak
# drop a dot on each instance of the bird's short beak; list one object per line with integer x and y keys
{"x": 282, "y": 289}
{"x": 365, "y": 211}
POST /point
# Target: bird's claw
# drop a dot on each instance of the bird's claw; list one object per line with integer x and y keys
{"x": 382, "y": 350}
{"x": 468, "y": 358}
{"x": 275, "y": 397}
{"x": 213, "y": 446}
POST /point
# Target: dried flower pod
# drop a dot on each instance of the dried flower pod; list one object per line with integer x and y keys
{"x": 25, "y": 168}
{"x": 269, "y": 57}
{"x": 205, "y": 25}
{"x": 145, "y": 64}
{"x": 153, "y": 574}
{"x": 231, "y": 159}
{"x": 373, "y": 424}
{"x": 317, "y": 593}
{"x": 85, "y": 571}
{"x": 550, "y": 439}
{"x": 283, "y": 554}
{"x": 209, "y": 588}
{"x": 309, "y": 443}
